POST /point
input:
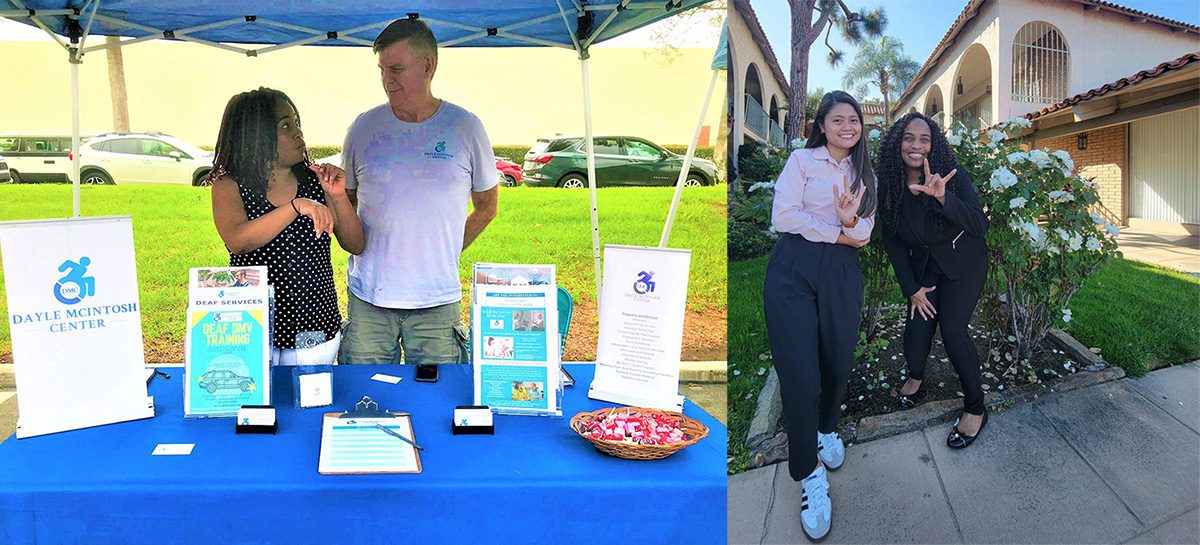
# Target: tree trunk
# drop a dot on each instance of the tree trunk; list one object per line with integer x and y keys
{"x": 116, "y": 83}
{"x": 804, "y": 33}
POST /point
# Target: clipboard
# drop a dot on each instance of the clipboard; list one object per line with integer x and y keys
{"x": 352, "y": 444}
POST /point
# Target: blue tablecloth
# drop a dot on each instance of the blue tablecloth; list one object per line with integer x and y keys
{"x": 535, "y": 481}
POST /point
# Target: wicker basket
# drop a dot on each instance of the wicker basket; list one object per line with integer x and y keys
{"x": 693, "y": 431}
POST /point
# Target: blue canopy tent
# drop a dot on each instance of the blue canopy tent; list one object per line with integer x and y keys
{"x": 257, "y": 27}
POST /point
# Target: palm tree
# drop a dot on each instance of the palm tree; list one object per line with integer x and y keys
{"x": 883, "y": 66}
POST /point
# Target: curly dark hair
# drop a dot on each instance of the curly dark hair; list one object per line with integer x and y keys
{"x": 892, "y": 172}
{"x": 247, "y": 143}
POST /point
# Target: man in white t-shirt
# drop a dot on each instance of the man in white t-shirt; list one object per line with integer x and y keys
{"x": 412, "y": 165}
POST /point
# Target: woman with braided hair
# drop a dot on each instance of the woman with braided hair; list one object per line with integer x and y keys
{"x": 273, "y": 207}
{"x": 933, "y": 229}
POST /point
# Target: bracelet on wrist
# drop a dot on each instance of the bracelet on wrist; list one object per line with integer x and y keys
{"x": 294, "y": 207}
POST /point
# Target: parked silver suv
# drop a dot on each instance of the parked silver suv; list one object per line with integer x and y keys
{"x": 107, "y": 158}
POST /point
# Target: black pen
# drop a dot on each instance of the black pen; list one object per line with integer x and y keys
{"x": 398, "y": 436}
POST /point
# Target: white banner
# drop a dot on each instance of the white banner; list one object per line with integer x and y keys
{"x": 641, "y": 326}
{"x": 76, "y": 323}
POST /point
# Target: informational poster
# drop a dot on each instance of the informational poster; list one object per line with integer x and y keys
{"x": 641, "y": 326}
{"x": 514, "y": 339}
{"x": 76, "y": 323}
{"x": 227, "y": 359}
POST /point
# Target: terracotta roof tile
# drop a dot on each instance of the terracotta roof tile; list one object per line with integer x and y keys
{"x": 1135, "y": 79}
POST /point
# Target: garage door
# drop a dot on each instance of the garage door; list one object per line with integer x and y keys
{"x": 1164, "y": 167}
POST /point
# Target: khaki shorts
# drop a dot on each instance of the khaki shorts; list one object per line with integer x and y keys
{"x": 385, "y": 335}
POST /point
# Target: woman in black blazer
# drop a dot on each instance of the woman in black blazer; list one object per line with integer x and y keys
{"x": 933, "y": 229}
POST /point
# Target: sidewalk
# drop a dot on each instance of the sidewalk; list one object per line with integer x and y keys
{"x": 1113, "y": 463}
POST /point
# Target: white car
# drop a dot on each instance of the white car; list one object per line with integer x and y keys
{"x": 5, "y": 176}
{"x": 142, "y": 158}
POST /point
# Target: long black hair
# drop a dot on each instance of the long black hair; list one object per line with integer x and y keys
{"x": 248, "y": 142}
{"x": 893, "y": 177}
{"x": 864, "y": 175}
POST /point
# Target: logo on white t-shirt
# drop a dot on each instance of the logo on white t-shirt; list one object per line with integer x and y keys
{"x": 439, "y": 152}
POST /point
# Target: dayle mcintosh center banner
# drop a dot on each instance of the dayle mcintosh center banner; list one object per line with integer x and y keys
{"x": 76, "y": 323}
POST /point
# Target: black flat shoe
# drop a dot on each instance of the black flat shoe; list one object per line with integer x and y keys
{"x": 911, "y": 400}
{"x": 958, "y": 439}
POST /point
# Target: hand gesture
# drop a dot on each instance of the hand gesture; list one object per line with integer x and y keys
{"x": 852, "y": 242}
{"x": 332, "y": 178}
{"x": 846, "y": 202}
{"x": 919, "y": 303}
{"x": 935, "y": 186}
{"x": 321, "y": 216}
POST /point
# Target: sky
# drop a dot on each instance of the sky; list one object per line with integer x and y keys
{"x": 920, "y": 25}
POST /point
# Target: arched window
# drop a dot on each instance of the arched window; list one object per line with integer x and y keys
{"x": 1041, "y": 63}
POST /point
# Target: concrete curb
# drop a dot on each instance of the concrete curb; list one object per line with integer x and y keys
{"x": 703, "y": 371}
{"x": 941, "y": 412}
{"x": 769, "y": 411}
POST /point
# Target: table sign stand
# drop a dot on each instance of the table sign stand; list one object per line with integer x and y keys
{"x": 515, "y": 346}
{"x": 228, "y": 343}
{"x": 75, "y": 323}
{"x": 642, "y": 307}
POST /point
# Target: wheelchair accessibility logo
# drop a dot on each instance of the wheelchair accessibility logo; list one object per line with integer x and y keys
{"x": 644, "y": 283}
{"x": 440, "y": 147}
{"x": 74, "y": 286}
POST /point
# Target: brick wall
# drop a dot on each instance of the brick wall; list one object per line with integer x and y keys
{"x": 1106, "y": 161}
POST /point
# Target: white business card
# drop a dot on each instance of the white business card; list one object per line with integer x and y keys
{"x": 173, "y": 449}
{"x": 386, "y": 378}
{"x": 256, "y": 416}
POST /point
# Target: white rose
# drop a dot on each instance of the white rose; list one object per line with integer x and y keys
{"x": 1016, "y": 157}
{"x": 1017, "y": 122}
{"x": 954, "y": 139}
{"x": 1061, "y": 196}
{"x": 1041, "y": 158}
{"x": 799, "y": 143}
{"x": 1096, "y": 217}
{"x": 1018, "y": 202}
{"x": 1075, "y": 243}
{"x": 1002, "y": 178}
{"x": 1066, "y": 314}
{"x": 1062, "y": 233}
{"x": 873, "y": 134}
{"x": 994, "y": 137}
{"x": 1113, "y": 230}
{"x": 1093, "y": 244}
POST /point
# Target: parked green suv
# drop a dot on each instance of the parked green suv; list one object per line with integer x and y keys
{"x": 620, "y": 161}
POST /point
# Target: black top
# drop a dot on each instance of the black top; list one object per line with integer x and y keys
{"x": 920, "y": 252}
{"x": 299, "y": 267}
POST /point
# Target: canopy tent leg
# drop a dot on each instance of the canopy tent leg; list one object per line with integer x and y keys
{"x": 687, "y": 163}
{"x": 76, "y": 60}
{"x": 591, "y": 169}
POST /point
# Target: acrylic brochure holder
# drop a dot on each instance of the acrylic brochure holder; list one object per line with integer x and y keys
{"x": 516, "y": 350}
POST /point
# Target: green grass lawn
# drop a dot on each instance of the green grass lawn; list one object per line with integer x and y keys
{"x": 747, "y": 342}
{"x": 1140, "y": 315}
{"x": 173, "y": 231}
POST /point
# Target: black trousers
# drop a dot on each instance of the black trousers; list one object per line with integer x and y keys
{"x": 812, "y": 298}
{"x": 955, "y": 301}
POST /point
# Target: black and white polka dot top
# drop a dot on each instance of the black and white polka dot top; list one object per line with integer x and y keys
{"x": 298, "y": 266}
